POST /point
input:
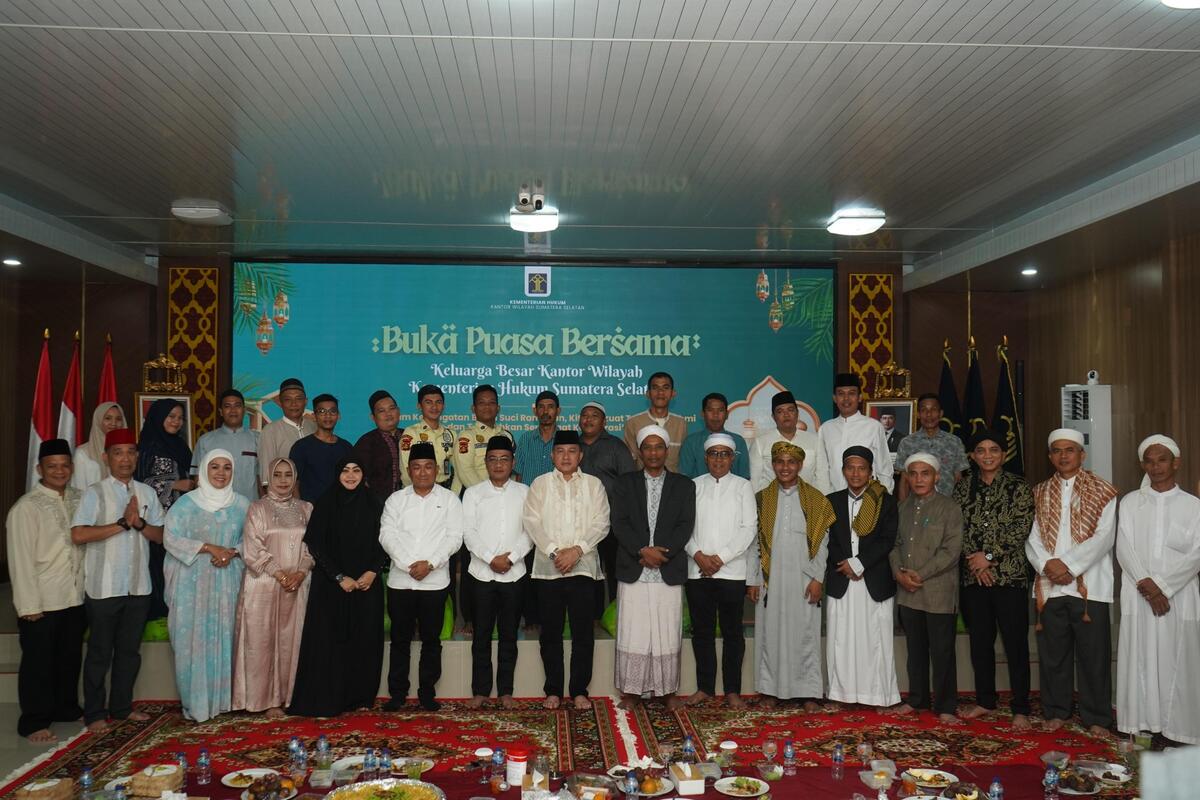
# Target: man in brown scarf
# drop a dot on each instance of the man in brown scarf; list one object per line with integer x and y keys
{"x": 1070, "y": 548}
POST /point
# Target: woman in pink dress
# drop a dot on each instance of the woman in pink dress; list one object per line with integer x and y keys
{"x": 270, "y": 614}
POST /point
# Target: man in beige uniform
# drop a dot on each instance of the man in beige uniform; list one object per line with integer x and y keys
{"x": 276, "y": 439}
{"x": 431, "y": 402}
{"x": 660, "y": 391}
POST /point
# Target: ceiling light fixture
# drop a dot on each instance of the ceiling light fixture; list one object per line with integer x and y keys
{"x": 541, "y": 221}
{"x": 196, "y": 211}
{"x": 855, "y": 221}
{"x": 1029, "y": 271}
{"x": 12, "y": 262}
{"x": 1185, "y": 5}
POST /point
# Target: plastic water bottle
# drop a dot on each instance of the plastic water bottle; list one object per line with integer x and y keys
{"x": 293, "y": 745}
{"x": 203, "y": 767}
{"x": 689, "y": 750}
{"x": 839, "y": 761}
{"x": 499, "y": 757}
{"x": 631, "y": 785}
{"x": 385, "y": 763}
{"x": 370, "y": 764}
{"x": 1050, "y": 783}
{"x": 181, "y": 759}
{"x": 300, "y": 765}
{"x": 85, "y": 783}
{"x": 996, "y": 790}
{"x": 119, "y": 792}
{"x": 323, "y": 756}
{"x": 789, "y": 758}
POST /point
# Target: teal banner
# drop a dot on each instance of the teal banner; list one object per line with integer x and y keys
{"x": 587, "y": 333}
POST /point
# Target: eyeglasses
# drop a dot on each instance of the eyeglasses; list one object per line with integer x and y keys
{"x": 497, "y": 459}
{"x": 326, "y": 412}
{"x": 719, "y": 453}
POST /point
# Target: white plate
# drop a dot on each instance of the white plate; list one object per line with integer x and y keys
{"x": 399, "y": 763}
{"x": 725, "y": 785}
{"x": 230, "y": 780}
{"x": 919, "y": 773}
{"x": 1073, "y": 793}
{"x": 356, "y": 763}
{"x": 287, "y": 796}
{"x": 112, "y": 785}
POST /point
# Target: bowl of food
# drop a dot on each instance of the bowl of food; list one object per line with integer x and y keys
{"x": 388, "y": 789}
{"x": 1056, "y": 758}
{"x": 769, "y": 770}
{"x": 961, "y": 790}
{"x": 1073, "y": 781}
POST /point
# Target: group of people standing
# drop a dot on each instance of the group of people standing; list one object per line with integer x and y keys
{"x": 276, "y": 555}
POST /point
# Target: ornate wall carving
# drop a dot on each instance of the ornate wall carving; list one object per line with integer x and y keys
{"x": 193, "y": 327}
{"x": 871, "y": 315}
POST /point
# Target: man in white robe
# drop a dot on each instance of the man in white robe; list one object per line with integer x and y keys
{"x": 786, "y": 583}
{"x": 1158, "y": 655}
{"x": 849, "y": 428}
{"x": 860, "y": 587}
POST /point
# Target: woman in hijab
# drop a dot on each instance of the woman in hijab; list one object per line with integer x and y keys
{"x": 341, "y": 651}
{"x": 90, "y": 465}
{"x": 163, "y": 463}
{"x": 270, "y": 615}
{"x": 204, "y": 573}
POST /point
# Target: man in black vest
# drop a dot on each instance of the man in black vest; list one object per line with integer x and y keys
{"x": 860, "y": 588}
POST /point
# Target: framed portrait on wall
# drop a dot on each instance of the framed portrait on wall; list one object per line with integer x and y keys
{"x": 141, "y": 406}
{"x": 898, "y": 417}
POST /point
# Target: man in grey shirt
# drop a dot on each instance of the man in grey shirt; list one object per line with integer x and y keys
{"x": 236, "y": 437}
{"x": 930, "y": 438}
{"x": 606, "y": 457}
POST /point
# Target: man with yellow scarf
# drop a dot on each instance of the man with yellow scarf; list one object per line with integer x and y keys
{"x": 786, "y": 582}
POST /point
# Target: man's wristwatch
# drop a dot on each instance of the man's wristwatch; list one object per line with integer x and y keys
{"x": 339, "y": 577}
{"x": 140, "y": 526}
{"x": 122, "y": 522}
{"x": 989, "y": 557}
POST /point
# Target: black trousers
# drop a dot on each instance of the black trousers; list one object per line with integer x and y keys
{"x": 1066, "y": 645}
{"x": 496, "y": 604}
{"x": 930, "y": 639}
{"x": 561, "y": 598}
{"x": 158, "y": 583}
{"x": 115, "y": 641}
{"x": 530, "y": 603}
{"x": 607, "y": 551}
{"x": 987, "y": 609}
{"x": 462, "y": 587}
{"x": 710, "y": 599}
{"x": 48, "y": 678}
{"x": 423, "y": 611}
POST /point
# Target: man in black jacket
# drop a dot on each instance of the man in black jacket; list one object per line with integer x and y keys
{"x": 653, "y": 513}
{"x": 860, "y": 588}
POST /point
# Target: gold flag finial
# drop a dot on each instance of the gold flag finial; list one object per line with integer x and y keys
{"x": 1004, "y": 340}
{"x": 108, "y": 338}
{"x": 46, "y": 334}
{"x": 971, "y": 343}
{"x": 945, "y": 345}
{"x": 77, "y": 336}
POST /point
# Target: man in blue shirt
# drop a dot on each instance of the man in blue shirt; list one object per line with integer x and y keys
{"x": 316, "y": 455}
{"x": 714, "y": 410}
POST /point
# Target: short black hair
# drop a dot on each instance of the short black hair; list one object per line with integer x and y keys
{"x": 666, "y": 375}
{"x": 480, "y": 389}
{"x": 429, "y": 389}
{"x": 929, "y": 396}
{"x": 231, "y": 393}
{"x": 713, "y": 396}
{"x": 324, "y": 398}
{"x": 546, "y": 395}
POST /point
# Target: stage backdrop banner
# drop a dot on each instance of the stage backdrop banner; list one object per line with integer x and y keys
{"x": 587, "y": 333}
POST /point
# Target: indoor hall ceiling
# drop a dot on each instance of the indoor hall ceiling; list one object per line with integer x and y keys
{"x": 663, "y": 128}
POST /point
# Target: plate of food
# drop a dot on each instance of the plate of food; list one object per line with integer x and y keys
{"x": 741, "y": 787}
{"x": 400, "y": 765}
{"x": 621, "y": 770}
{"x": 962, "y": 790}
{"x": 931, "y": 778}
{"x": 244, "y": 777}
{"x": 112, "y": 785}
{"x": 388, "y": 789}
{"x": 1105, "y": 771}
{"x": 271, "y": 787}
{"x": 1077, "y": 782}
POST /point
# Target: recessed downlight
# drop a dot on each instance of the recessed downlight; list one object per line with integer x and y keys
{"x": 1029, "y": 271}
{"x": 12, "y": 262}
{"x": 1184, "y": 5}
{"x": 855, "y": 221}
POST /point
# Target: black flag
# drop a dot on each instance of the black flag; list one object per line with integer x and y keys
{"x": 974, "y": 414}
{"x": 952, "y": 419}
{"x": 1005, "y": 420}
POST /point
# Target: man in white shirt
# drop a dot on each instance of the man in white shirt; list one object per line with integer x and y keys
{"x": 276, "y": 439}
{"x": 852, "y": 428}
{"x": 566, "y": 515}
{"x": 47, "y": 586}
{"x": 116, "y": 520}
{"x": 1070, "y": 548}
{"x": 1158, "y": 656}
{"x": 726, "y": 526}
{"x": 496, "y": 539}
{"x": 422, "y": 527}
{"x": 786, "y": 414}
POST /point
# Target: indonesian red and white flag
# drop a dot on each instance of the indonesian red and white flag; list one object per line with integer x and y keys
{"x": 41, "y": 424}
{"x": 72, "y": 404}
{"x": 107, "y": 392}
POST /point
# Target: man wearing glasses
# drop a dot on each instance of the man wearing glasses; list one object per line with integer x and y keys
{"x": 316, "y": 455}
{"x": 495, "y": 537}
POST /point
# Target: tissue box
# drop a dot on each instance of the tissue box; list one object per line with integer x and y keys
{"x": 687, "y": 783}
{"x": 527, "y": 784}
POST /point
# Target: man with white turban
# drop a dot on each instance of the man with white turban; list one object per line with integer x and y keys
{"x": 1158, "y": 655}
{"x": 1070, "y": 548}
{"x": 924, "y": 562}
{"x": 653, "y": 513}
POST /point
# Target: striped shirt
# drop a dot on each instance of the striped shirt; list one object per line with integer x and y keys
{"x": 119, "y": 565}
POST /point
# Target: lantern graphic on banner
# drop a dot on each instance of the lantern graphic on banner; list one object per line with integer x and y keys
{"x": 283, "y": 311}
{"x": 775, "y": 313}
{"x": 762, "y": 289}
{"x": 264, "y": 337}
{"x": 249, "y": 293}
{"x": 788, "y": 293}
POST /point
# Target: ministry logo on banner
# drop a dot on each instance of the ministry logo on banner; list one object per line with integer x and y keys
{"x": 537, "y": 281}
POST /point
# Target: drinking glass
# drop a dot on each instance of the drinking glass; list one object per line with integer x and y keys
{"x": 769, "y": 749}
{"x": 865, "y": 751}
{"x": 666, "y": 752}
{"x": 483, "y": 760}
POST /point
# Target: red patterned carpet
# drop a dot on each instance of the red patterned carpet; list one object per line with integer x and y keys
{"x": 579, "y": 741}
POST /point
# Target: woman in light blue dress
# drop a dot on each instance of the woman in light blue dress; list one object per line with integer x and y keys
{"x": 203, "y": 578}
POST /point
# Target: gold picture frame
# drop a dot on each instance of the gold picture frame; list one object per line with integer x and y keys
{"x": 904, "y": 416}
{"x": 142, "y": 402}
